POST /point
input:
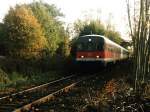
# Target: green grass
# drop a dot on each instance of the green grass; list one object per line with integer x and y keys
{"x": 17, "y": 81}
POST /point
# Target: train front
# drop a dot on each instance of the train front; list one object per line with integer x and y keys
{"x": 90, "y": 49}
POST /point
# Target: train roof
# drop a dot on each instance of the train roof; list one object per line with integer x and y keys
{"x": 107, "y": 40}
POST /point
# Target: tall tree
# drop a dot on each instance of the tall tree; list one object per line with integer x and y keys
{"x": 140, "y": 32}
{"x": 47, "y": 16}
{"x": 96, "y": 27}
{"x": 2, "y": 39}
{"x": 114, "y": 36}
{"x": 25, "y": 37}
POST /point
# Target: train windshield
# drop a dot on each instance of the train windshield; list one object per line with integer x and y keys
{"x": 86, "y": 46}
{"x": 89, "y": 44}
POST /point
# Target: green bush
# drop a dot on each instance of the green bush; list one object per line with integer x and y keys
{"x": 3, "y": 77}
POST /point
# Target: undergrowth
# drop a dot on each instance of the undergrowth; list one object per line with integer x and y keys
{"x": 10, "y": 82}
{"x": 118, "y": 95}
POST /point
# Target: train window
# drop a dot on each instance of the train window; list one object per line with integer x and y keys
{"x": 80, "y": 46}
{"x": 90, "y": 46}
{"x": 109, "y": 49}
{"x": 86, "y": 46}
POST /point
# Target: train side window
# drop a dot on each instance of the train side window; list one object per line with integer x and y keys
{"x": 106, "y": 48}
{"x": 110, "y": 49}
{"x": 91, "y": 46}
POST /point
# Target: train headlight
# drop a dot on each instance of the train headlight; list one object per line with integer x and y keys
{"x": 82, "y": 56}
{"x": 97, "y": 56}
{"x": 90, "y": 40}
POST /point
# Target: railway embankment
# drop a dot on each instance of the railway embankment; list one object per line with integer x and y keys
{"x": 108, "y": 91}
{"x": 16, "y": 82}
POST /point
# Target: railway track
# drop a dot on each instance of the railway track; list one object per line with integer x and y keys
{"x": 74, "y": 100}
{"x": 26, "y": 100}
{"x": 16, "y": 100}
{"x": 47, "y": 95}
{"x": 34, "y": 88}
{"x": 35, "y": 105}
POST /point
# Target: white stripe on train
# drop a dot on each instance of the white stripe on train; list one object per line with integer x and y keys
{"x": 98, "y": 59}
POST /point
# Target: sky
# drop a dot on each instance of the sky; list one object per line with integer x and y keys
{"x": 108, "y": 11}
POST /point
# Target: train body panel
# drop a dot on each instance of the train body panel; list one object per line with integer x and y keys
{"x": 97, "y": 48}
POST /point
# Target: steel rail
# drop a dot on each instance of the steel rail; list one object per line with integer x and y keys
{"x": 50, "y": 96}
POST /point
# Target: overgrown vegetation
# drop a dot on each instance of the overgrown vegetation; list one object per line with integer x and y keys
{"x": 33, "y": 43}
{"x": 118, "y": 95}
{"x": 16, "y": 82}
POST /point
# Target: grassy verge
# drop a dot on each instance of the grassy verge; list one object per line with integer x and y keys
{"x": 16, "y": 82}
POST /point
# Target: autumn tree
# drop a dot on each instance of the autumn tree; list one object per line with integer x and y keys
{"x": 64, "y": 46}
{"x": 47, "y": 16}
{"x": 25, "y": 37}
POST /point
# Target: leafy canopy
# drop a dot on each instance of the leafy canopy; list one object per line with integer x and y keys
{"x": 25, "y": 37}
{"x": 47, "y": 16}
{"x": 96, "y": 27}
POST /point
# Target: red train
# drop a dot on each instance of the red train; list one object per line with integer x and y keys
{"x": 97, "y": 48}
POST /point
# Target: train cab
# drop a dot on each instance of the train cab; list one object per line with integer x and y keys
{"x": 97, "y": 48}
